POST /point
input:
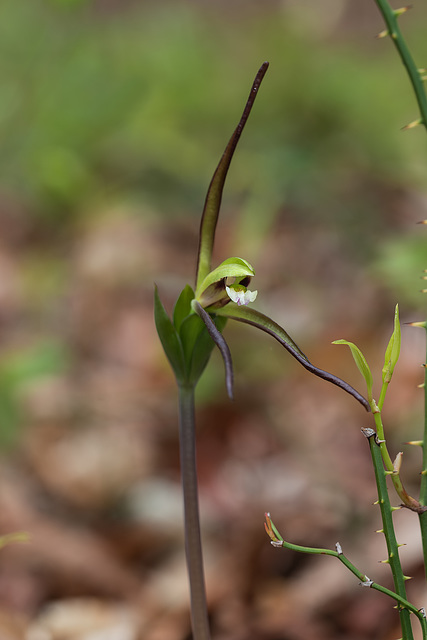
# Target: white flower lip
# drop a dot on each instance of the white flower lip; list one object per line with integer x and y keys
{"x": 241, "y": 296}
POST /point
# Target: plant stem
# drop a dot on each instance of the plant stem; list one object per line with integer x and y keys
{"x": 388, "y": 529}
{"x": 423, "y": 488}
{"x": 407, "y": 500}
{"x": 391, "y": 19}
{"x": 193, "y": 543}
{"x": 278, "y": 541}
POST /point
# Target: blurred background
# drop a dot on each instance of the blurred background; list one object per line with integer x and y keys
{"x": 113, "y": 116}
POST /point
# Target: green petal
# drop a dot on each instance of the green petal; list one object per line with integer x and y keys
{"x": 257, "y": 319}
{"x": 230, "y": 268}
{"x": 214, "y": 195}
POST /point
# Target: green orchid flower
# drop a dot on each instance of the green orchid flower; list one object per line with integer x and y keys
{"x": 222, "y": 293}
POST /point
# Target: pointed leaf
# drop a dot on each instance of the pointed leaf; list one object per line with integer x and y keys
{"x": 361, "y": 363}
{"x": 182, "y": 307}
{"x": 259, "y": 320}
{"x": 197, "y": 344}
{"x": 214, "y": 195}
{"x": 190, "y": 330}
{"x": 220, "y": 343}
{"x": 169, "y": 338}
{"x": 393, "y": 349}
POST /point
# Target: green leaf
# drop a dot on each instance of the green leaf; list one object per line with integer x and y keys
{"x": 182, "y": 307}
{"x": 230, "y": 268}
{"x": 203, "y": 349}
{"x": 190, "y": 329}
{"x": 263, "y": 322}
{"x": 214, "y": 195}
{"x": 361, "y": 363}
{"x": 197, "y": 344}
{"x": 169, "y": 338}
{"x": 259, "y": 320}
{"x": 393, "y": 349}
{"x": 219, "y": 340}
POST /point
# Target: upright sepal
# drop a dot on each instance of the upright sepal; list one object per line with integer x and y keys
{"x": 214, "y": 195}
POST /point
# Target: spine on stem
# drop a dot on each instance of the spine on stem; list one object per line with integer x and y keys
{"x": 388, "y": 529}
{"x": 423, "y": 487}
{"x": 278, "y": 541}
{"x": 416, "y": 76}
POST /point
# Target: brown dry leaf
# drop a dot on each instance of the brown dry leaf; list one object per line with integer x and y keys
{"x": 12, "y": 626}
{"x": 70, "y": 558}
{"x": 85, "y": 619}
{"x": 89, "y": 467}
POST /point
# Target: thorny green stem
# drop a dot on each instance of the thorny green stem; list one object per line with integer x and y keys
{"x": 415, "y": 76}
{"x": 423, "y": 488}
{"x": 388, "y": 529}
{"x": 193, "y": 543}
{"x": 407, "y": 500}
{"x": 278, "y": 541}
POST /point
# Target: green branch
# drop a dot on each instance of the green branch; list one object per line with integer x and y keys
{"x": 403, "y": 604}
{"x": 423, "y": 487}
{"x": 390, "y": 17}
{"x": 388, "y": 529}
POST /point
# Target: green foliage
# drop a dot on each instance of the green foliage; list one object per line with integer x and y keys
{"x": 169, "y": 338}
{"x": 98, "y": 106}
{"x": 182, "y": 307}
{"x": 397, "y": 261}
{"x": 393, "y": 349}
{"x": 361, "y": 363}
{"x": 186, "y": 341}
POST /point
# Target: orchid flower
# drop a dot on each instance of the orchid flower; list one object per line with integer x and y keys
{"x": 222, "y": 293}
{"x": 199, "y": 318}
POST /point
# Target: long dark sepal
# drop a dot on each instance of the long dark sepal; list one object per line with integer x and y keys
{"x": 259, "y": 320}
{"x": 220, "y": 342}
{"x": 216, "y": 186}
